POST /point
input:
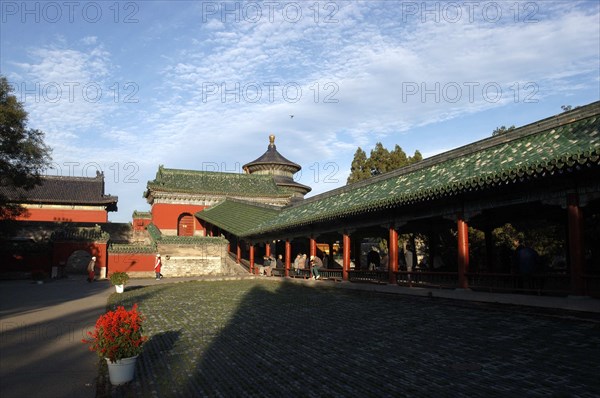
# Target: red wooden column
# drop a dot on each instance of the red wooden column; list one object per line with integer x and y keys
{"x": 267, "y": 249}
{"x": 346, "y": 256}
{"x": 576, "y": 254}
{"x": 238, "y": 256}
{"x": 463, "y": 253}
{"x": 393, "y": 255}
{"x": 288, "y": 257}
{"x": 313, "y": 247}
{"x": 252, "y": 258}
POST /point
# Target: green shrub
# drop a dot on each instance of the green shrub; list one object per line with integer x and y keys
{"x": 119, "y": 278}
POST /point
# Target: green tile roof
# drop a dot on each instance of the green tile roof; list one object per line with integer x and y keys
{"x": 158, "y": 238}
{"x": 131, "y": 248}
{"x": 216, "y": 183}
{"x": 141, "y": 214}
{"x": 88, "y": 234}
{"x": 546, "y": 146}
{"x": 237, "y": 217}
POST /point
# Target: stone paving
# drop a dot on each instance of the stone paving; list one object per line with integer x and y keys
{"x": 272, "y": 339}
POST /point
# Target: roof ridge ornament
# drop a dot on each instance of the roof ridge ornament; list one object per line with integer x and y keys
{"x": 272, "y": 141}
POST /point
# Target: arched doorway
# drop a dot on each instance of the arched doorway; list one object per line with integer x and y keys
{"x": 185, "y": 225}
{"x": 77, "y": 262}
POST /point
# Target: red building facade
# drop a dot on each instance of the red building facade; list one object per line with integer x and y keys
{"x": 176, "y": 195}
{"x": 63, "y": 220}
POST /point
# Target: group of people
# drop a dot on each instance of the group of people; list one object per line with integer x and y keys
{"x": 314, "y": 263}
{"x": 526, "y": 262}
{"x": 302, "y": 261}
{"x": 270, "y": 262}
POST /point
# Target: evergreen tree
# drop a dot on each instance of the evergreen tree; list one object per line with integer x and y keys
{"x": 380, "y": 161}
{"x": 358, "y": 169}
{"x": 23, "y": 153}
{"x": 398, "y": 158}
{"x": 503, "y": 130}
{"x": 417, "y": 157}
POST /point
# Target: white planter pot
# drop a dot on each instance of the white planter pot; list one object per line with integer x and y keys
{"x": 120, "y": 288}
{"x": 122, "y": 371}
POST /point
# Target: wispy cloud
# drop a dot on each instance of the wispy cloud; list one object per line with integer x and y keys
{"x": 210, "y": 88}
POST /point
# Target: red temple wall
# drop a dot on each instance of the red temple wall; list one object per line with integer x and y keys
{"x": 130, "y": 262}
{"x": 165, "y": 215}
{"x": 140, "y": 224}
{"x": 62, "y": 250}
{"x": 64, "y": 215}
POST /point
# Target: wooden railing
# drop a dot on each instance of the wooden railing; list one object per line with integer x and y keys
{"x": 369, "y": 276}
{"x": 540, "y": 284}
{"x": 427, "y": 279}
{"x": 591, "y": 285}
{"x": 551, "y": 284}
{"x": 331, "y": 273}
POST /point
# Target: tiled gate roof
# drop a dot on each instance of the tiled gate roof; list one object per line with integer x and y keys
{"x": 237, "y": 217}
{"x": 217, "y": 183}
{"x": 64, "y": 190}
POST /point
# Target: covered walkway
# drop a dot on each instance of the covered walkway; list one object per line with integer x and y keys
{"x": 543, "y": 176}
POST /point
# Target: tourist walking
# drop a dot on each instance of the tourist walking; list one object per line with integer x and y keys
{"x": 91, "y": 269}
{"x": 157, "y": 267}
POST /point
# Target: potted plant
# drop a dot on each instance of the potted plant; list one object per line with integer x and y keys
{"x": 119, "y": 280}
{"x": 118, "y": 338}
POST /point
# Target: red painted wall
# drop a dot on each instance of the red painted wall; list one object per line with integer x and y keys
{"x": 60, "y": 215}
{"x": 165, "y": 215}
{"x": 130, "y": 262}
{"x": 62, "y": 251}
{"x": 140, "y": 224}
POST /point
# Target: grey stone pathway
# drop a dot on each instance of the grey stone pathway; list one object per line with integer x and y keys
{"x": 273, "y": 339}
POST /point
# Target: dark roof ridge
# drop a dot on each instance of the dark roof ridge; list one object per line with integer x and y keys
{"x": 216, "y": 173}
{"x": 554, "y": 121}
{"x": 272, "y": 157}
{"x": 74, "y": 178}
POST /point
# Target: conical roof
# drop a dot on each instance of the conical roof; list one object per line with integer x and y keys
{"x": 272, "y": 157}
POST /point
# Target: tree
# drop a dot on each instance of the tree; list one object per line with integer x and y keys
{"x": 358, "y": 169}
{"x": 567, "y": 108}
{"x": 502, "y": 130}
{"x": 23, "y": 153}
{"x": 417, "y": 157}
{"x": 380, "y": 161}
{"x": 398, "y": 158}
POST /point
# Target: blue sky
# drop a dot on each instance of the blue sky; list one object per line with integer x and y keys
{"x": 126, "y": 86}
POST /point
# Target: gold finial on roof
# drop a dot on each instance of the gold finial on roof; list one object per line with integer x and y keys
{"x": 271, "y": 140}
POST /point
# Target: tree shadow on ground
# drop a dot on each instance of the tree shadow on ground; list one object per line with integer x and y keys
{"x": 272, "y": 338}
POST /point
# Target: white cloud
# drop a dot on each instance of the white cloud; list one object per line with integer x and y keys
{"x": 366, "y": 61}
{"x": 89, "y": 40}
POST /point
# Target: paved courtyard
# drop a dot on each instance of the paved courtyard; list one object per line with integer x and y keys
{"x": 273, "y": 339}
